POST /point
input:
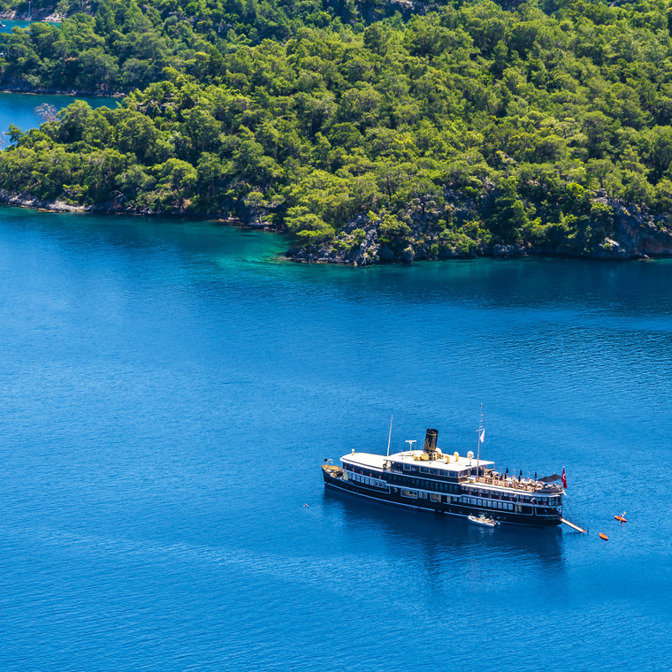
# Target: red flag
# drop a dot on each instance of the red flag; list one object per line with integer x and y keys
{"x": 564, "y": 479}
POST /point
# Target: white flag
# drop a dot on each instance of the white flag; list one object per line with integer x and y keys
{"x": 482, "y": 436}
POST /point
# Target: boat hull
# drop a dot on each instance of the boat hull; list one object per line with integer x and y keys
{"x": 392, "y": 495}
{"x": 487, "y": 522}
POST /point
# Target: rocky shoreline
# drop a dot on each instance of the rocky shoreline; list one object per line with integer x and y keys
{"x": 34, "y": 91}
{"x": 27, "y": 201}
{"x": 38, "y": 15}
{"x": 635, "y": 235}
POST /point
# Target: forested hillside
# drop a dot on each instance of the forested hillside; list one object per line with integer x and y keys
{"x": 41, "y": 8}
{"x": 445, "y": 134}
{"x": 125, "y": 45}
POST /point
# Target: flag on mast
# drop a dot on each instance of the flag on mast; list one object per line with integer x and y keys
{"x": 482, "y": 436}
{"x": 564, "y": 479}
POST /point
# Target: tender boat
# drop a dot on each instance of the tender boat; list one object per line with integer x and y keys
{"x": 483, "y": 520}
{"x": 446, "y": 482}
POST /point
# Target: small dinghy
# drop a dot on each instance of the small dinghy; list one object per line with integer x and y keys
{"x": 483, "y": 520}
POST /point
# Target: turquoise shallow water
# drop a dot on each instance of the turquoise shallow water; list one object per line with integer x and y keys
{"x": 170, "y": 389}
{"x": 9, "y": 24}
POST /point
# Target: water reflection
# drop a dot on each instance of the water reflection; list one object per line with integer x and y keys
{"x": 609, "y": 288}
{"x": 443, "y": 541}
{"x": 538, "y": 290}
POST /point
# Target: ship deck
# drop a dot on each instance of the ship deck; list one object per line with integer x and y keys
{"x": 490, "y": 480}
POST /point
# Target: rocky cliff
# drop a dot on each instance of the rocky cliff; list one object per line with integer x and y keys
{"x": 630, "y": 233}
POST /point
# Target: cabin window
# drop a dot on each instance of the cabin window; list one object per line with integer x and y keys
{"x": 407, "y": 467}
{"x": 424, "y": 470}
{"x": 435, "y": 498}
{"x": 411, "y": 494}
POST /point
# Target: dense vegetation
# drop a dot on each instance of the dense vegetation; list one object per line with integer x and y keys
{"x": 41, "y": 7}
{"x": 485, "y": 124}
{"x": 127, "y": 44}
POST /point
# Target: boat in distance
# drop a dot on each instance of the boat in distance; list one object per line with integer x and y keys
{"x": 447, "y": 483}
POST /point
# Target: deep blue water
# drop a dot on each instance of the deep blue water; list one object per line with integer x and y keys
{"x": 170, "y": 389}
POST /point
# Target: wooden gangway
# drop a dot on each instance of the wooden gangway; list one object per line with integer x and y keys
{"x": 573, "y": 526}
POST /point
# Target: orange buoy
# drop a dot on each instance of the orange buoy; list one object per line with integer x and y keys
{"x": 603, "y": 536}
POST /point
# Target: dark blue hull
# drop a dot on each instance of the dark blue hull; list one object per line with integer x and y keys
{"x": 393, "y": 495}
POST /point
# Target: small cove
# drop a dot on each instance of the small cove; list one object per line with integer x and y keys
{"x": 19, "y": 108}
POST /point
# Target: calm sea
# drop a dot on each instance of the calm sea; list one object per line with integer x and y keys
{"x": 170, "y": 389}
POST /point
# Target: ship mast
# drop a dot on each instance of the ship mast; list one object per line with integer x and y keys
{"x": 481, "y": 436}
{"x": 389, "y": 438}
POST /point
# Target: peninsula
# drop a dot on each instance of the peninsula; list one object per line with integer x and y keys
{"x": 371, "y": 132}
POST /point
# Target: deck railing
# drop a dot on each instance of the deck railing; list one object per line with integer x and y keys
{"x": 525, "y": 484}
